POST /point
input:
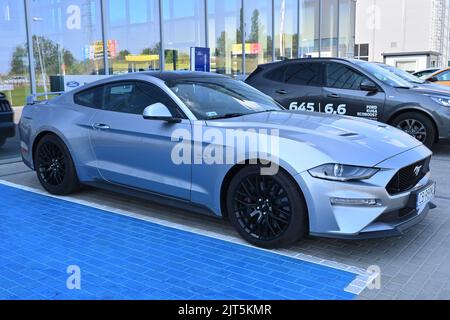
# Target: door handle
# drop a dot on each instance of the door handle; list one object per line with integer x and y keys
{"x": 281, "y": 91}
{"x": 101, "y": 126}
{"x": 333, "y": 95}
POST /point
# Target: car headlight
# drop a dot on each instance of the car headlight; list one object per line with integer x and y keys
{"x": 443, "y": 101}
{"x": 341, "y": 172}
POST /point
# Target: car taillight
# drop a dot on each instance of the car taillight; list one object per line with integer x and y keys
{"x": 4, "y": 106}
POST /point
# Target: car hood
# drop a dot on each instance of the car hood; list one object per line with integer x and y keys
{"x": 431, "y": 89}
{"x": 345, "y": 140}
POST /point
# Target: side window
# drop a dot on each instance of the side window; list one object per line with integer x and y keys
{"x": 341, "y": 77}
{"x": 444, "y": 76}
{"x": 134, "y": 97}
{"x": 278, "y": 74}
{"x": 89, "y": 98}
{"x": 305, "y": 74}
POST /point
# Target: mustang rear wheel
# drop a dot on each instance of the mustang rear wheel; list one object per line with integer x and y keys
{"x": 54, "y": 166}
{"x": 267, "y": 211}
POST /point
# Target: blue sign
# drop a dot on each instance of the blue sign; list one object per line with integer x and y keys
{"x": 72, "y": 84}
{"x": 201, "y": 59}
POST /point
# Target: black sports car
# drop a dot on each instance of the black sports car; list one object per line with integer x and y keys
{"x": 7, "y": 127}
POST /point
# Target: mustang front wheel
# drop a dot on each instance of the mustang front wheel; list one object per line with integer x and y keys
{"x": 267, "y": 211}
{"x": 54, "y": 166}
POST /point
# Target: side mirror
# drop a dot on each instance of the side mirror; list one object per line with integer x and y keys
{"x": 159, "y": 111}
{"x": 367, "y": 85}
{"x": 433, "y": 79}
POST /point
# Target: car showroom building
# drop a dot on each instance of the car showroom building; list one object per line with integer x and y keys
{"x": 69, "y": 37}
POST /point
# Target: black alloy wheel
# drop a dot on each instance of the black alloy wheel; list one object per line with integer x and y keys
{"x": 268, "y": 211}
{"x": 262, "y": 207}
{"x": 54, "y": 166}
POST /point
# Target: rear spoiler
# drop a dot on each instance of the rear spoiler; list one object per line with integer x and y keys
{"x": 33, "y": 98}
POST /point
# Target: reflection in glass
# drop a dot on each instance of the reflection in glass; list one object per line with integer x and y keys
{"x": 14, "y": 74}
{"x": 347, "y": 28}
{"x": 225, "y": 36}
{"x": 258, "y": 31}
{"x": 67, "y": 35}
{"x": 309, "y": 13}
{"x": 329, "y": 28}
{"x": 184, "y": 27}
{"x": 67, "y": 39}
{"x": 286, "y": 24}
{"x": 133, "y": 35}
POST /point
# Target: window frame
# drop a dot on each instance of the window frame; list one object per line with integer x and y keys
{"x": 443, "y": 74}
{"x": 76, "y": 94}
{"x": 103, "y": 86}
{"x": 324, "y": 73}
{"x": 321, "y": 79}
{"x": 286, "y": 67}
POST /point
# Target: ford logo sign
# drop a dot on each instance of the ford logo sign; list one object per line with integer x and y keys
{"x": 73, "y": 84}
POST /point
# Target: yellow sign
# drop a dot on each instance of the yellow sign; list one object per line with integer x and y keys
{"x": 142, "y": 57}
{"x": 250, "y": 48}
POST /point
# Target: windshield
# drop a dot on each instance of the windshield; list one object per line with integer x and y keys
{"x": 383, "y": 75}
{"x": 215, "y": 98}
{"x": 403, "y": 74}
{"x": 425, "y": 74}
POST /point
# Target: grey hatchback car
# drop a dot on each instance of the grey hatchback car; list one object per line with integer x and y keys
{"x": 360, "y": 89}
{"x": 164, "y": 137}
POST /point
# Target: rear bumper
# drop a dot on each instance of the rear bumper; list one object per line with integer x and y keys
{"x": 7, "y": 129}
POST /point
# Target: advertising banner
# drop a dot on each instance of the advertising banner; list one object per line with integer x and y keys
{"x": 200, "y": 59}
{"x": 72, "y": 82}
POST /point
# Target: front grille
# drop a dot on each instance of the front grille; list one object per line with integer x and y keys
{"x": 406, "y": 178}
{"x": 4, "y": 106}
{"x": 396, "y": 216}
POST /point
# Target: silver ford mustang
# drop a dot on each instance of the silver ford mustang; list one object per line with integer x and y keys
{"x": 282, "y": 175}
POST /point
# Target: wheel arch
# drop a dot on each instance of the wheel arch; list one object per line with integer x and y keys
{"x": 425, "y": 113}
{"x": 41, "y": 135}
{"x": 238, "y": 167}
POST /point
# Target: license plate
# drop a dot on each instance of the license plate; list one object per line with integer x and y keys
{"x": 426, "y": 195}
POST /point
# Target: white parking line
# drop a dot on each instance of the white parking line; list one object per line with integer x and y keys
{"x": 363, "y": 279}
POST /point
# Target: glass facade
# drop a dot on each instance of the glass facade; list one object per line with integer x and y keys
{"x": 225, "y": 35}
{"x": 65, "y": 35}
{"x": 329, "y": 28}
{"x": 309, "y": 33}
{"x": 184, "y": 27}
{"x": 95, "y": 37}
{"x": 286, "y": 29}
{"x": 126, "y": 23}
{"x": 347, "y": 12}
{"x": 258, "y": 33}
{"x": 14, "y": 62}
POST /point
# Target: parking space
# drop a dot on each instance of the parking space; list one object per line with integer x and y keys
{"x": 415, "y": 265}
{"x": 122, "y": 257}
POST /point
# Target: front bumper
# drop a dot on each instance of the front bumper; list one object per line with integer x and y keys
{"x": 391, "y": 217}
{"x": 442, "y": 117}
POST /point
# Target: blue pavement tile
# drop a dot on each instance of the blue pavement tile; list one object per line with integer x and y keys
{"x": 125, "y": 258}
